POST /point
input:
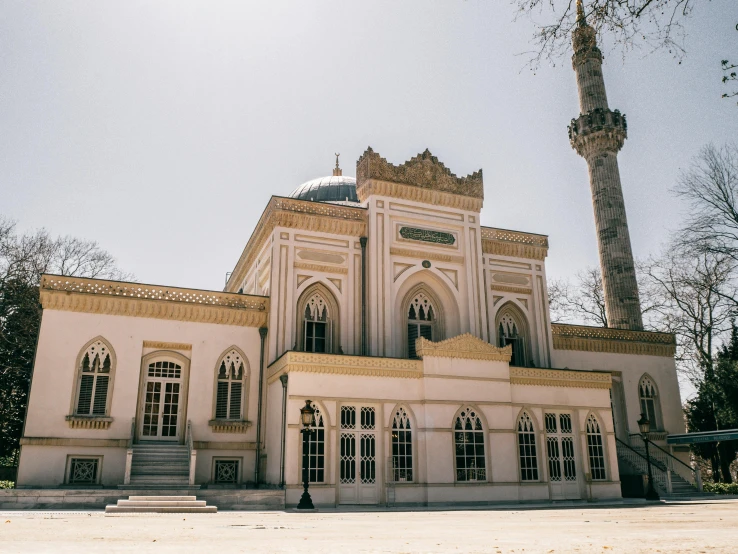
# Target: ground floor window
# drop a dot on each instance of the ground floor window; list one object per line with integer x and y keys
{"x": 83, "y": 470}
{"x": 402, "y": 447}
{"x": 595, "y": 450}
{"x": 469, "y": 440}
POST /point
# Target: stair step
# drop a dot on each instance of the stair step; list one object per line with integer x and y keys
{"x": 163, "y": 503}
{"x": 112, "y": 509}
{"x": 162, "y": 498}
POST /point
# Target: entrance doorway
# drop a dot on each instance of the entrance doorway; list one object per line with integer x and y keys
{"x": 358, "y": 482}
{"x": 562, "y": 459}
{"x": 161, "y": 405}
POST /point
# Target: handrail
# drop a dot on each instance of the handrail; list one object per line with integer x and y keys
{"x": 670, "y": 458}
{"x": 129, "y": 454}
{"x": 661, "y": 475}
{"x": 133, "y": 432}
{"x": 192, "y": 453}
{"x": 634, "y": 451}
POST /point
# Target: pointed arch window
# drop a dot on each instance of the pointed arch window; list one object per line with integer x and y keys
{"x": 229, "y": 387}
{"x": 527, "y": 448}
{"x": 511, "y": 330}
{"x": 94, "y": 380}
{"x": 469, "y": 442}
{"x": 421, "y": 321}
{"x": 316, "y": 325}
{"x": 595, "y": 449}
{"x": 402, "y": 447}
{"x": 316, "y": 449}
{"x": 649, "y": 400}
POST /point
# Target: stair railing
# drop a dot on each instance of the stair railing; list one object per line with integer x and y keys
{"x": 192, "y": 453}
{"x": 129, "y": 454}
{"x": 669, "y": 460}
{"x": 639, "y": 462}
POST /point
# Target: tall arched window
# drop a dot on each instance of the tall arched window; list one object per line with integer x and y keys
{"x": 318, "y": 320}
{"x": 527, "y": 448}
{"x": 95, "y": 373}
{"x": 649, "y": 401}
{"x": 595, "y": 449}
{"x": 229, "y": 388}
{"x": 469, "y": 441}
{"x": 512, "y": 329}
{"x": 316, "y": 449}
{"x": 316, "y": 328}
{"x": 402, "y": 447}
{"x": 421, "y": 319}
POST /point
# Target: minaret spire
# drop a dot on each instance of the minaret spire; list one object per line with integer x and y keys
{"x": 598, "y": 135}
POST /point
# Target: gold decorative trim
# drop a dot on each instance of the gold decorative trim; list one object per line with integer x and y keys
{"x": 166, "y": 345}
{"x": 319, "y": 267}
{"x": 63, "y": 441}
{"x": 229, "y": 425}
{"x": 465, "y": 346}
{"x": 89, "y": 422}
{"x": 515, "y": 290}
{"x": 223, "y": 445}
{"x": 516, "y": 244}
{"x": 338, "y": 364}
{"x": 425, "y": 255}
{"x": 99, "y": 296}
{"x": 559, "y": 378}
{"x": 614, "y": 341}
{"x": 416, "y": 194}
{"x": 297, "y": 214}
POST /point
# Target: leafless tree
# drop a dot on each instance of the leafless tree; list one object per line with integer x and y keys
{"x": 730, "y": 76}
{"x": 580, "y": 302}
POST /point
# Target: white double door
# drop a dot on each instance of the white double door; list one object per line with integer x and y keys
{"x": 358, "y": 475}
{"x": 563, "y": 474}
{"x": 161, "y": 404}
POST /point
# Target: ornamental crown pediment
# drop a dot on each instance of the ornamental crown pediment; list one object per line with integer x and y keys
{"x": 465, "y": 346}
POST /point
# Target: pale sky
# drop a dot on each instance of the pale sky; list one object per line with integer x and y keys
{"x": 160, "y": 129}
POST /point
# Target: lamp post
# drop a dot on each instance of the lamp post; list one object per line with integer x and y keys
{"x": 645, "y": 426}
{"x": 307, "y": 417}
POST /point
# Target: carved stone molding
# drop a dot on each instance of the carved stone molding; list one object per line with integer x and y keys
{"x": 415, "y": 194}
{"x": 516, "y": 244}
{"x": 229, "y": 425}
{"x": 166, "y": 345}
{"x": 425, "y": 255}
{"x": 319, "y": 267}
{"x": 98, "y": 296}
{"x": 223, "y": 445}
{"x": 465, "y": 346}
{"x": 75, "y": 441}
{"x": 89, "y": 422}
{"x": 614, "y": 341}
{"x": 337, "y": 364}
{"x": 515, "y": 290}
{"x": 559, "y": 378}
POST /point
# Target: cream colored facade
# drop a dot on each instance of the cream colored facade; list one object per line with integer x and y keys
{"x": 355, "y": 282}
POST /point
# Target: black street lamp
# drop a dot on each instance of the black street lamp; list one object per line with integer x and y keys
{"x": 307, "y": 417}
{"x": 645, "y": 426}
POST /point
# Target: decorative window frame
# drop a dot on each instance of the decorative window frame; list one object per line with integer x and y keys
{"x": 239, "y": 476}
{"x": 68, "y": 468}
{"x": 537, "y": 443}
{"x": 232, "y": 425}
{"x": 439, "y": 326}
{"x": 585, "y": 451}
{"x": 521, "y": 320}
{"x": 413, "y": 443}
{"x": 658, "y": 425}
{"x": 333, "y": 321}
{"x": 81, "y": 421}
{"x": 328, "y": 432}
{"x": 485, "y": 436}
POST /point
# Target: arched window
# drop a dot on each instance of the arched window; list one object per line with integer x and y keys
{"x": 402, "y": 447}
{"x": 229, "y": 389}
{"x": 469, "y": 440}
{"x": 316, "y": 328}
{"x": 512, "y": 329}
{"x": 316, "y": 449}
{"x": 649, "y": 401}
{"x": 421, "y": 319}
{"x": 95, "y": 372}
{"x": 595, "y": 449}
{"x": 527, "y": 448}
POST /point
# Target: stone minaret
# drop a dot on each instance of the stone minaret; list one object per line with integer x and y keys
{"x": 598, "y": 135}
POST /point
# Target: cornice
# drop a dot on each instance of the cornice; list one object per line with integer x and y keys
{"x": 516, "y": 244}
{"x": 97, "y": 296}
{"x": 426, "y": 255}
{"x": 166, "y": 345}
{"x": 298, "y": 214}
{"x": 375, "y": 187}
{"x": 559, "y": 378}
{"x": 613, "y": 341}
{"x": 89, "y": 422}
{"x": 466, "y": 346}
{"x": 229, "y": 425}
{"x": 514, "y": 290}
{"x": 319, "y": 267}
{"x": 337, "y": 364}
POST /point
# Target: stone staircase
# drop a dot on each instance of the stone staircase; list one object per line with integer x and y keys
{"x": 160, "y": 466}
{"x": 161, "y": 505}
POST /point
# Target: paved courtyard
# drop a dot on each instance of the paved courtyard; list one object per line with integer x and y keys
{"x": 684, "y": 527}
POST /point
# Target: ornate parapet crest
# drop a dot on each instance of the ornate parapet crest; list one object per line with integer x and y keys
{"x": 560, "y": 378}
{"x": 466, "y": 346}
{"x": 417, "y": 177}
{"x": 319, "y": 217}
{"x": 98, "y": 296}
{"x": 338, "y": 364}
{"x": 613, "y": 341}
{"x": 516, "y": 244}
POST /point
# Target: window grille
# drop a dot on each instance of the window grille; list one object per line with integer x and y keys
{"x": 167, "y": 370}
{"x": 648, "y": 398}
{"x": 527, "y": 448}
{"x": 229, "y": 389}
{"x": 402, "y": 447}
{"x": 83, "y": 471}
{"x": 469, "y": 440}
{"x": 348, "y": 417}
{"x": 317, "y": 325}
{"x": 509, "y": 332}
{"x": 316, "y": 450}
{"x": 226, "y": 471}
{"x": 94, "y": 379}
{"x": 560, "y": 447}
{"x": 420, "y": 321}
{"x": 595, "y": 449}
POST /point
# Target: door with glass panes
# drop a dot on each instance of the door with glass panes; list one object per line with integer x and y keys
{"x": 561, "y": 453}
{"x": 161, "y": 403}
{"x": 358, "y": 476}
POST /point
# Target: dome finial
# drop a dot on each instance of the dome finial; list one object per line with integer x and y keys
{"x": 337, "y": 171}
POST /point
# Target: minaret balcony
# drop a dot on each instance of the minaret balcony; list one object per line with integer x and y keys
{"x": 599, "y": 130}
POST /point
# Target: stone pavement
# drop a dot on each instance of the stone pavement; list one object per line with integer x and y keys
{"x": 710, "y": 526}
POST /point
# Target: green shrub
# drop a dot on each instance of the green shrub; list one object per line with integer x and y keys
{"x": 6, "y": 484}
{"x": 721, "y": 488}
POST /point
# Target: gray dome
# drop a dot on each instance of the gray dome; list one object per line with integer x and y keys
{"x": 328, "y": 189}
